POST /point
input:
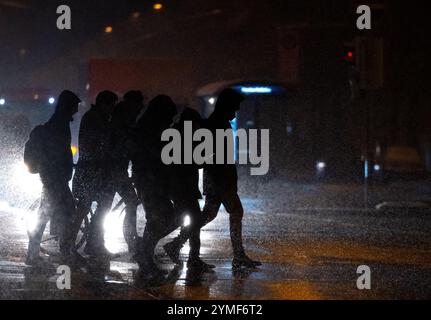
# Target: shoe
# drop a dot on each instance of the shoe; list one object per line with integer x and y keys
{"x": 99, "y": 252}
{"x": 34, "y": 261}
{"x": 149, "y": 274}
{"x": 198, "y": 264}
{"x": 144, "y": 279}
{"x": 75, "y": 261}
{"x": 172, "y": 249}
{"x": 244, "y": 261}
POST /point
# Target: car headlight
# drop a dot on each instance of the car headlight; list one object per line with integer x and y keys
{"x": 320, "y": 166}
{"x": 24, "y": 181}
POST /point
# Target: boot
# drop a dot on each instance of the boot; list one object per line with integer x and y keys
{"x": 174, "y": 247}
{"x": 33, "y": 258}
{"x": 240, "y": 258}
{"x": 200, "y": 265}
{"x": 244, "y": 261}
{"x": 97, "y": 251}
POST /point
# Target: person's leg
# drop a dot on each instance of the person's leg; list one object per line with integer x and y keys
{"x": 157, "y": 209}
{"x": 209, "y": 213}
{"x": 83, "y": 190}
{"x": 83, "y": 207}
{"x": 233, "y": 206}
{"x": 35, "y": 235}
{"x": 192, "y": 207}
{"x": 196, "y": 223}
{"x": 67, "y": 210}
{"x": 95, "y": 241}
{"x": 127, "y": 192}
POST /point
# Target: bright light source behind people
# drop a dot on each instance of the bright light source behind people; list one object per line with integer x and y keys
{"x": 26, "y": 182}
{"x": 321, "y": 165}
{"x": 187, "y": 221}
{"x": 2, "y": 101}
{"x": 31, "y": 220}
{"x": 51, "y": 100}
{"x": 113, "y": 226}
{"x": 377, "y": 167}
{"x": 211, "y": 100}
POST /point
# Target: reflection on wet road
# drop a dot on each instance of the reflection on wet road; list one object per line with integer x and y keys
{"x": 307, "y": 254}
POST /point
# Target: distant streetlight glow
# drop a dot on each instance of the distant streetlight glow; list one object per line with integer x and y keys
{"x": 51, "y": 100}
{"x": 256, "y": 89}
{"x": 108, "y": 29}
{"x": 320, "y": 165}
{"x": 2, "y": 101}
{"x": 136, "y": 15}
{"x": 157, "y": 6}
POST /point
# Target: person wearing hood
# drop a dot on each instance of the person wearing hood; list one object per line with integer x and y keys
{"x": 185, "y": 195}
{"x": 122, "y": 147}
{"x": 91, "y": 182}
{"x": 152, "y": 181}
{"x": 56, "y": 167}
{"x": 221, "y": 184}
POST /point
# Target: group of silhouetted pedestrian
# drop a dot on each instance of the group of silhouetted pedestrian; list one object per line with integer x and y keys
{"x": 112, "y": 136}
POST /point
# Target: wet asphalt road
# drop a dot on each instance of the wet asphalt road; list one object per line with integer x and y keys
{"x": 310, "y": 237}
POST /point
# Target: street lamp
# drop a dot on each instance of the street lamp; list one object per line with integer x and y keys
{"x": 157, "y": 6}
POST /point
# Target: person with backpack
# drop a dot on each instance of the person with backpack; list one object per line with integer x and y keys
{"x": 48, "y": 153}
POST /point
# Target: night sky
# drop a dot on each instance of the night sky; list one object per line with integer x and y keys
{"x": 30, "y": 39}
{"x": 29, "y": 35}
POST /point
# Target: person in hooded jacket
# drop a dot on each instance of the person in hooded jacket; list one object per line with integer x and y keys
{"x": 57, "y": 202}
{"x": 152, "y": 181}
{"x": 185, "y": 195}
{"x": 122, "y": 148}
{"x": 91, "y": 182}
{"x": 221, "y": 184}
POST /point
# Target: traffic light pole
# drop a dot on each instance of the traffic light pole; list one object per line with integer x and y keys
{"x": 366, "y": 157}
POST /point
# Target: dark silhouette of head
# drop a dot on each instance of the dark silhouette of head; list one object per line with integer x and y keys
{"x": 160, "y": 112}
{"x": 105, "y": 102}
{"x": 228, "y": 103}
{"x": 133, "y": 103}
{"x": 67, "y": 104}
{"x": 192, "y": 115}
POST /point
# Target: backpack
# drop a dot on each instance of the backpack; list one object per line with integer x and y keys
{"x": 34, "y": 150}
